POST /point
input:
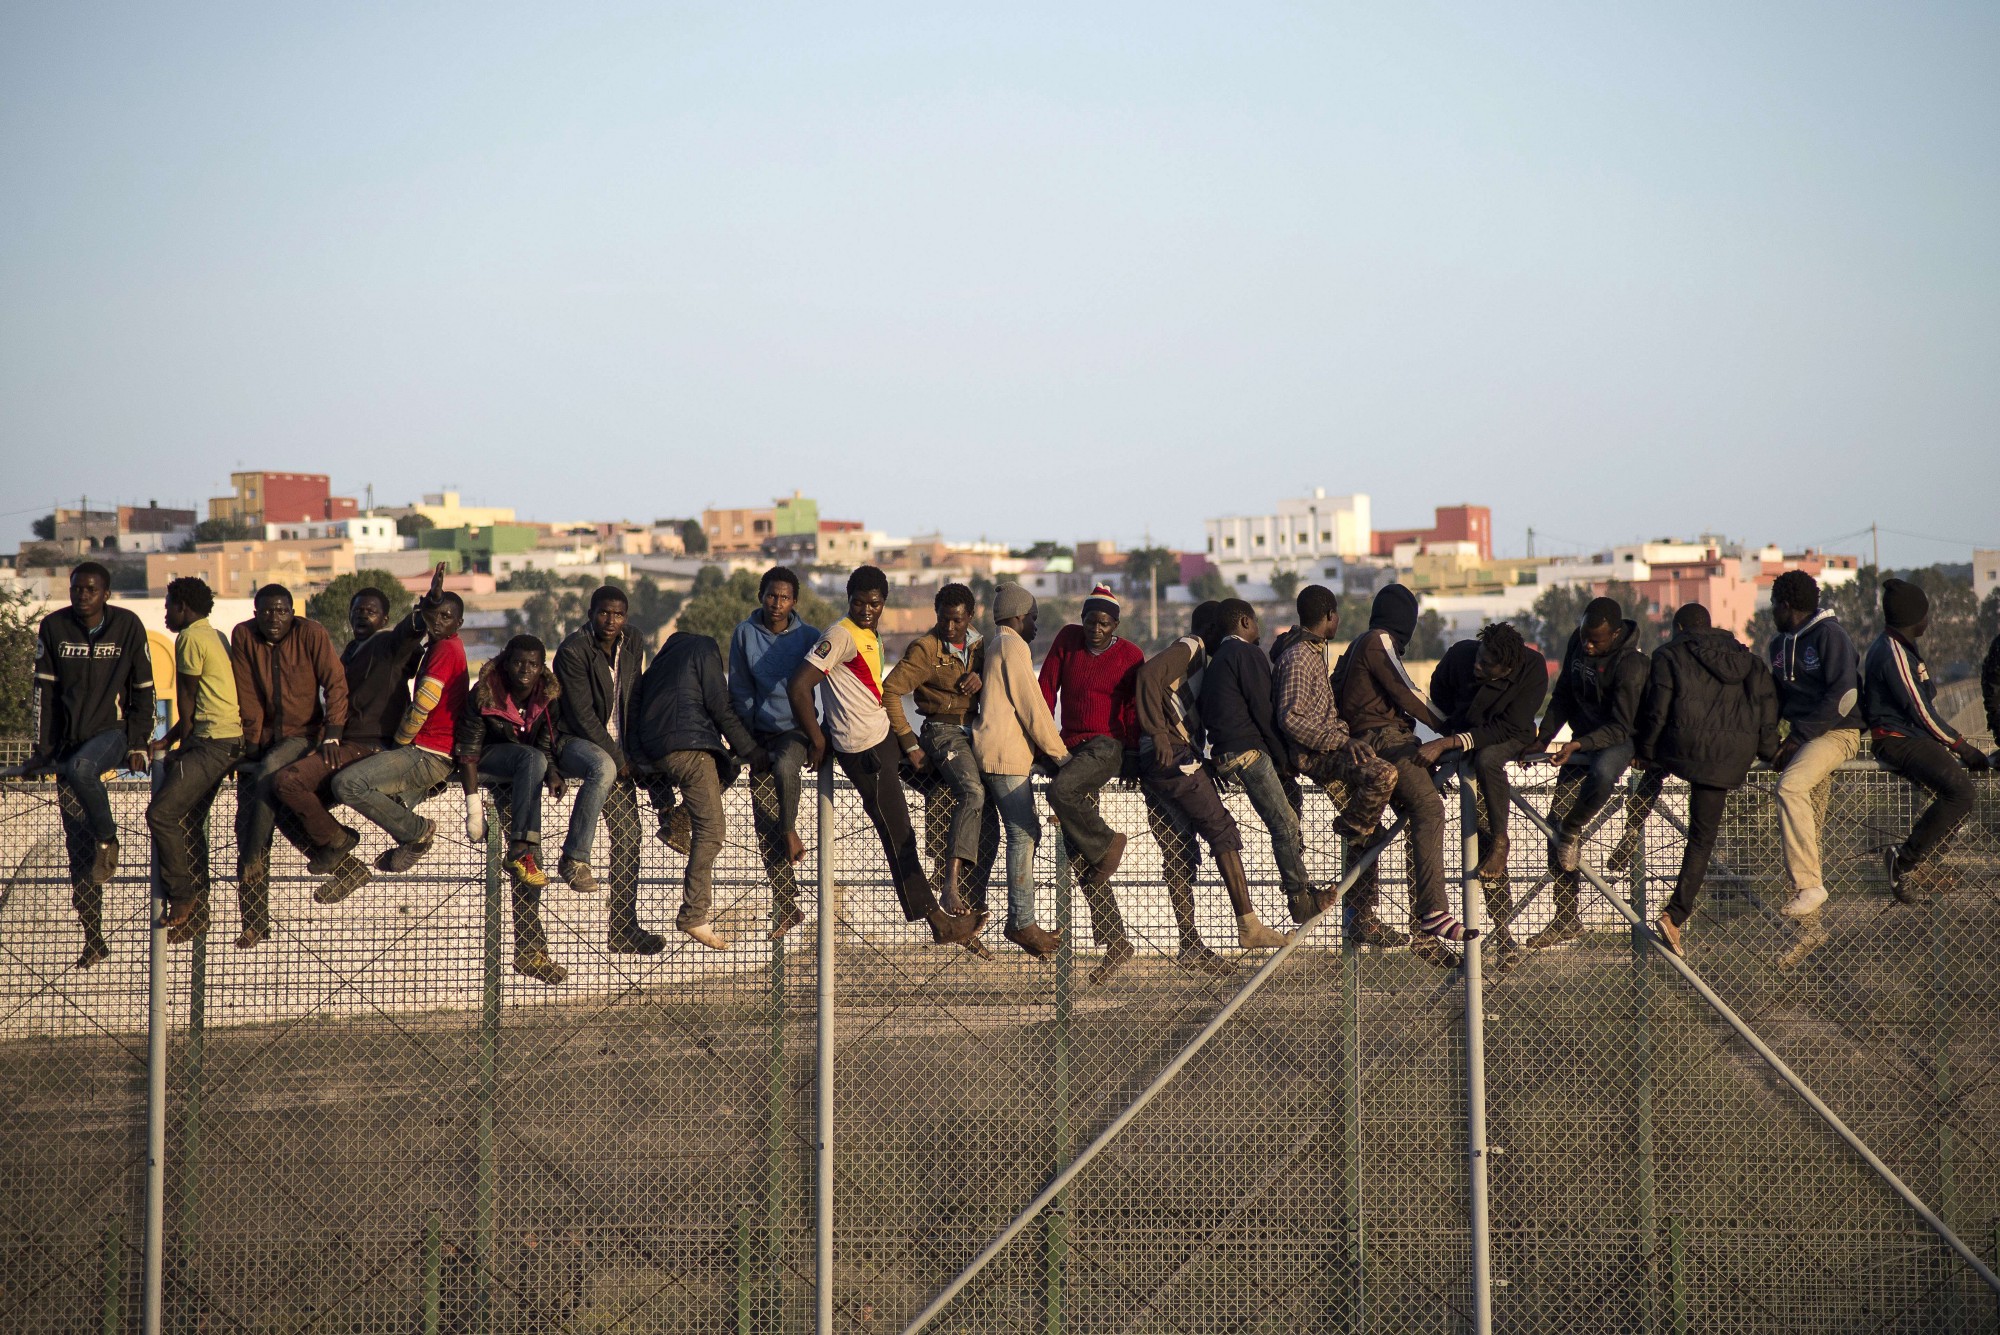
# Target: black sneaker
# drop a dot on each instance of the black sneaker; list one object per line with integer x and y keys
{"x": 634, "y": 940}
{"x": 104, "y": 863}
{"x": 1899, "y": 877}
{"x": 1434, "y": 952}
{"x": 405, "y": 856}
{"x": 325, "y": 861}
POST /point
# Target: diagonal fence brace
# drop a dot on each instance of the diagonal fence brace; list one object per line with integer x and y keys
{"x": 1145, "y": 1096}
{"x": 1777, "y": 1064}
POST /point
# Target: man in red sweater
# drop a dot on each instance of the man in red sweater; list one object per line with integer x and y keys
{"x": 1094, "y": 674}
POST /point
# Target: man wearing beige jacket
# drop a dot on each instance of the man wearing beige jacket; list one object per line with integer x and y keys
{"x": 1015, "y": 727}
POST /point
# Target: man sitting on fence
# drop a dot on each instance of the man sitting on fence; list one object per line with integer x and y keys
{"x": 944, "y": 669}
{"x": 377, "y": 663}
{"x": 1182, "y": 804}
{"x": 1911, "y": 737}
{"x": 680, "y": 719}
{"x": 92, "y": 706}
{"x": 1710, "y": 710}
{"x": 506, "y": 737}
{"x": 293, "y": 695}
{"x": 1357, "y": 780}
{"x": 1817, "y": 674}
{"x": 203, "y": 747}
{"x": 1489, "y": 690}
{"x": 847, "y": 662}
{"x": 1088, "y": 680}
{"x": 1015, "y": 732}
{"x": 1382, "y": 707}
{"x": 1597, "y": 694}
{"x": 764, "y": 651}
{"x": 387, "y": 786}
{"x": 599, "y": 666}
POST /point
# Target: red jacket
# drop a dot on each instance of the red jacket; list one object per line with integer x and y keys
{"x": 1098, "y": 690}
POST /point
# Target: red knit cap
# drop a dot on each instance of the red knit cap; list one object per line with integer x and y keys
{"x": 1103, "y": 598}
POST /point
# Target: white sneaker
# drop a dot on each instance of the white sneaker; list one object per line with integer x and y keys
{"x": 1805, "y": 903}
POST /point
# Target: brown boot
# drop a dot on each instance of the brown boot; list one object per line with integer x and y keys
{"x": 1493, "y": 867}
{"x": 1034, "y": 940}
{"x": 1107, "y": 866}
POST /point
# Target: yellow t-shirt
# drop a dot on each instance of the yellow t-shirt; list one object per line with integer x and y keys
{"x": 200, "y": 653}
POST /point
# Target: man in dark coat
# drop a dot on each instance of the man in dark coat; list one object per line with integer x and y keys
{"x": 1710, "y": 710}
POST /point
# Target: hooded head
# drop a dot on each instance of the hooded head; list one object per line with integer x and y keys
{"x": 1904, "y": 605}
{"x": 1395, "y": 611}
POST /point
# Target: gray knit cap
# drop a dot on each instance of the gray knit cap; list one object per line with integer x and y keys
{"x": 1011, "y": 600}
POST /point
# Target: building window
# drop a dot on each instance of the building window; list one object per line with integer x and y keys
{"x": 1211, "y": 544}
{"x": 1260, "y": 540}
{"x": 1326, "y": 535}
{"x": 1242, "y": 579}
{"x": 1305, "y": 537}
{"x": 1229, "y": 543}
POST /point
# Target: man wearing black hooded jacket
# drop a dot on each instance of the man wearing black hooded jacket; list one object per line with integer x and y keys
{"x": 1598, "y": 694}
{"x": 1381, "y": 707}
{"x": 1710, "y": 710}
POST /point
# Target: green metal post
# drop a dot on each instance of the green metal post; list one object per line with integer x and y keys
{"x": 743, "y": 1270}
{"x": 1942, "y": 1091}
{"x": 484, "y": 1239}
{"x": 1055, "y": 1224}
{"x": 774, "y": 1149}
{"x": 1642, "y": 1021}
{"x": 1350, "y": 1119}
{"x": 114, "y": 1275}
{"x": 433, "y": 1271}
{"x": 188, "y": 1160}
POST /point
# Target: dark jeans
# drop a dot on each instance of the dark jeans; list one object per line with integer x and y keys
{"x": 1180, "y": 807}
{"x": 1073, "y": 796}
{"x": 1495, "y": 786}
{"x": 1585, "y": 784}
{"x": 875, "y": 774}
{"x": 386, "y": 787}
{"x": 774, "y": 809}
{"x": 190, "y": 776}
{"x": 1416, "y": 797}
{"x": 1705, "y": 806}
{"x": 1259, "y": 777}
{"x": 257, "y": 803}
{"x": 520, "y": 770}
{"x": 305, "y": 787}
{"x": 80, "y": 771}
{"x": 958, "y": 820}
{"x": 1926, "y": 763}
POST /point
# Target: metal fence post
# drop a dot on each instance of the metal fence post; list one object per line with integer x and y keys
{"x": 484, "y": 1240}
{"x": 1475, "y": 1061}
{"x": 114, "y": 1275}
{"x": 774, "y": 1148}
{"x": 829, "y": 910}
{"x": 433, "y": 1271}
{"x": 189, "y": 1159}
{"x": 1055, "y": 1225}
{"x": 158, "y": 1017}
{"x": 1942, "y": 1092}
{"x": 1642, "y": 1025}
{"x": 1350, "y": 1129}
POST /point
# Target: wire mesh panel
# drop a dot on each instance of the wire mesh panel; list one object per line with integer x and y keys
{"x": 72, "y": 1067}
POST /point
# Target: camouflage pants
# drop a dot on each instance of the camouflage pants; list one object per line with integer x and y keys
{"x": 1360, "y": 790}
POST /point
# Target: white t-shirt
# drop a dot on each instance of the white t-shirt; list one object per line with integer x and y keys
{"x": 851, "y": 695}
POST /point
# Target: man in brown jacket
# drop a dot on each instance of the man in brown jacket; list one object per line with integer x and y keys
{"x": 1016, "y": 732}
{"x": 942, "y": 669}
{"x": 285, "y": 667}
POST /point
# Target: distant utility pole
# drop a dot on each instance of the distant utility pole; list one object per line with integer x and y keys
{"x": 1153, "y": 586}
{"x": 1875, "y": 537}
{"x": 1531, "y": 542}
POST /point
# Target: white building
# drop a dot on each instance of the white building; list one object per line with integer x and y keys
{"x": 1985, "y": 572}
{"x": 1309, "y": 536}
{"x": 368, "y": 533}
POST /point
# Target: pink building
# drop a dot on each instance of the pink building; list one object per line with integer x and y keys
{"x": 1717, "y": 583}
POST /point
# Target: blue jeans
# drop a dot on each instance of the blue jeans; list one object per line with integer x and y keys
{"x": 1014, "y": 797}
{"x": 519, "y": 770}
{"x": 1259, "y": 777}
{"x": 975, "y": 831}
{"x": 774, "y": 810}
{"x": 386, "y": 787}
{"x": 257, "y": 799}
{"x": 596, "y": 773}
{"x": 1585, "y": 784}
{"x": 82, "y": 772}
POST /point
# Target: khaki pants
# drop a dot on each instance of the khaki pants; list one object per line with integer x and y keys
{"x": 1802, "y": 792}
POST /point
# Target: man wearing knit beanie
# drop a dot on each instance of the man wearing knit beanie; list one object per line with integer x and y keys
{"x": 1910, "y": 736}
{"x": 1091, "y": 678}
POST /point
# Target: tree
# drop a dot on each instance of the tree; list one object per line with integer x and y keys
{"x": 40, "y": 556}
{"x": 693, "y": 540}
{"x": 44, "y": 528}
{"x": 17, "y": 660}
{"x": 1209, "y": 586}
{"x": 1858, "y": 605}
{"x": 1427, "y": 642}
{"x": 718, "y": 603}
{"x": 329, "y": 605}
{"x": 226, "y": 530}
{"x": 413, "y": 525}
{"x": 1144, "y": 566}
{"x": 1043, "y": 550}
{"x": 1559, "y": 611}
{"x": 1285, "y": 584}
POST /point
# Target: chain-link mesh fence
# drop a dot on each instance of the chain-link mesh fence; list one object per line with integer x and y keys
{"x": 377, "y": 1124}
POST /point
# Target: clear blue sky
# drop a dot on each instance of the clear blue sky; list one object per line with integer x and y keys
{"x": 1017, "y": 270}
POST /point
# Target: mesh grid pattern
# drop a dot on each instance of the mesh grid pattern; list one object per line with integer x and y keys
{"x": 375, "y": 1124}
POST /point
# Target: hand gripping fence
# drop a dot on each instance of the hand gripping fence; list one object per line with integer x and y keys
{"x": 369, "y": 1122}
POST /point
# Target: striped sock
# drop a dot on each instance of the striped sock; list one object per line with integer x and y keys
{"x": 1446, "y": 928}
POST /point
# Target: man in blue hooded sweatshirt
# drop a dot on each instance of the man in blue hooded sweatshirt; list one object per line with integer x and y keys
{"x": 765, "y": 650}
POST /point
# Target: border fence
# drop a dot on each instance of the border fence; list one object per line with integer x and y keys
{"x": 370, "y": 1123}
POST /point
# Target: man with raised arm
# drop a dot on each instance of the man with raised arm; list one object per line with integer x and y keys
{"x": 1598, "y": 691}
{"x": 846, "y": 668}
{"x": 93, "y": 707}
{"x": 1898, "y": 698}
{"x": 598, "y": 667}
{"x": 292, "y": 692}
{"x": 764, "y": 652}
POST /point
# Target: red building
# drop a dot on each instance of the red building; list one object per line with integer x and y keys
{"x": 281, "y": 498}
{"x": 1455, "y": 523}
